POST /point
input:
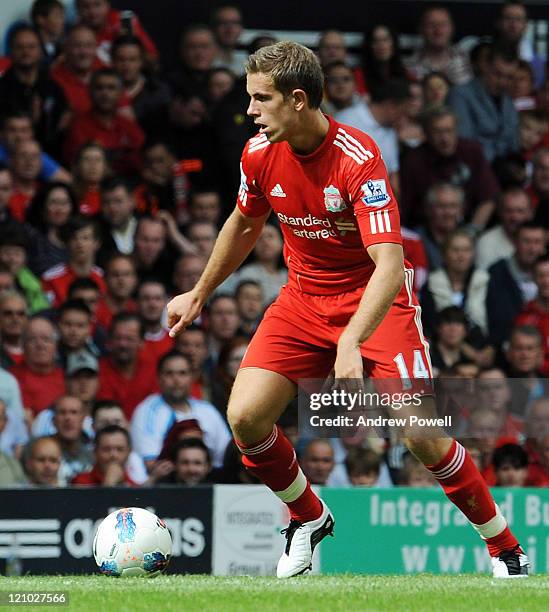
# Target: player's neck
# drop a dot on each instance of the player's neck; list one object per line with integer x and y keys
{"x": 310, "y": 134}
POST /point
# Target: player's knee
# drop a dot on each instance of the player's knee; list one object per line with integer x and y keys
{"x": 240, "y": 420}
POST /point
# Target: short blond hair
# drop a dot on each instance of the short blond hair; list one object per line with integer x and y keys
{"x": 290, "y": 66}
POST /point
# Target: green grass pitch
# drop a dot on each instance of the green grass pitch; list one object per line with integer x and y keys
{"x": 315, "y": 593}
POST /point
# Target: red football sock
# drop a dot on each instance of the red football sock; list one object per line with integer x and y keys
{"x": 466, "y": 488}
{"x": 274, "y": 462}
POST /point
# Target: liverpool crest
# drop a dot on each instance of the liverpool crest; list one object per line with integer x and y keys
{"x": 333, "y": 200}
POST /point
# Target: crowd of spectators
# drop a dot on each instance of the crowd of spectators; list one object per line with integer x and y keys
{"x": 116, "y": 176}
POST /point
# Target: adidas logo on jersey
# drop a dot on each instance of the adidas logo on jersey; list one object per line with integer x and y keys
{"x": 277, "y": 191}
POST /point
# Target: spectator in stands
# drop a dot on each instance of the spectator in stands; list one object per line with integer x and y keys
{"x": 13, "y": 324}
{"x": 82, "y": 383}
{"x": 536, "y": 312}
{"x": 13, "y": 254}
{"x": 524, "y": 355}
{"x": 43, "y": 462}
{"x": 154, "y": 416}
{"x": 107, "y": 413}
{"x": 48, "y": 19}
{"x": 11, "y": 473}
{"x": 341, "y": 90}
{"x": 25, "y": 168}
{"x": 191, "y": 463}
{"x": 485, "y": 111}
{"x": 112, "y": 448}
{"x": 522, "y": 88}
{"x": 197, "y": 52}
{"x": 267, "y": 269}
{"x": 227, "y": 29}
{"x": 249, "y": 301}
{"x": 88, "y": 290}
{"x": 7, "y": 279}
{"x": 118, "y": 221}
{"x": 494, "y": 392}
{"x": 180, "y": 430}
{"x": 122, "y": 138}
{"x": 409, "y": 127}
{"x": 121, "y": 282}
{"x": 220, "y": 83}
{"x": 108, "y": 24}
{"x": 126, "y": 375}
{"x": 75, "y": 327}
{"x": 68, "y": 420}
{"x": 80, "y": 236}
{"x": 152, "y": 257}
{"x": 73, "y": 73}
{"x": 455, "y": 343}
{"x": 187, "y": 271}
{"x": 15, "y": 433}
{"x": 50, "y": 209}
{"x": 205, "y": 205}
{"x": 6, "y": 190}
{"x": 317, "y": 461}
{"x": 192, "y": 343}
{"x": 514, "y": 209}
{"x": 223, "y": 323}
{"x": 17, "y": 128}
{"x": 381, "y": 59}
{"x": 436, "y": 87}
{"x": 458, "y": 283}
{"x": 533, "y": 126}
{"x": 510, "y": 463}
{"x": 443, "y": 215}
{"x": 26, "y": 87}
{"x": 230, "y": 357}
{"x": 511, "y": 27}
{"x": 147, "y": 95}
{"x": 415, "y": 474}
{"x": 379, "y": 118}
{"x": 363, "y": 466}
{"x": 151, "y": 302}
{"x": 447, "y": 157}
{"x": 331, "y": 48}
{"x": 511, "y": 281}
{"x": 40, "y": 379}
{"x": 89, "y": 171}
{"x": 539, "y": 188}
{"x": 537, "y": 442}
{"x": 203, "y": 235}
{"x": 437, "y": 53}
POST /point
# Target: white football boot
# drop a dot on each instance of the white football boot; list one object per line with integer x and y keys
{"x": 510, "y": 564}
{"x": 302, "y": 539}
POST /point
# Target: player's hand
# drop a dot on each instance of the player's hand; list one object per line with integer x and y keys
{"x": 182, "y": 311}
{"x": 348, "y": 368}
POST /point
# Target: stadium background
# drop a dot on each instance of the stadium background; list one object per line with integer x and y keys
{"x": 234, "y": 529}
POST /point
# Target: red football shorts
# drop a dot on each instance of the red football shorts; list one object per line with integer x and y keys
{"x": 299, "y": 332}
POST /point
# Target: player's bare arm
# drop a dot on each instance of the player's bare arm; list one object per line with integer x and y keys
{"x": 382, "y": 288}
{"x": 234, "y": 243}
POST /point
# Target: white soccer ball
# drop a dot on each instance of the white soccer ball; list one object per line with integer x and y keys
{"x": 132, "y": 542}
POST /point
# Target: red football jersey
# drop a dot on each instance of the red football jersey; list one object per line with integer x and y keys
{"x": 57, "y": 280}
{"x": 330, "y": 204}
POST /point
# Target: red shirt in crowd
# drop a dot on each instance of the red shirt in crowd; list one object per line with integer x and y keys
{"x": 157, "y": 345}
{"x": 95, "y": 477}
{"x": 57, "y": 280}
{"x": 76, "y": 89}
{"x": 39, "y": 391}
{"x": 104, "y": 314}
{"x": 121, "y": 137}
{"x": 19, "y": 202}
{"x": 90, "y": 202}
{"x": 127, "y": 391}
{"x": 534, "y": 314}
{"x": 112, "y": 30}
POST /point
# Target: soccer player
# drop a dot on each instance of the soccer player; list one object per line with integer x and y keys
{"x": 348, "y": 305}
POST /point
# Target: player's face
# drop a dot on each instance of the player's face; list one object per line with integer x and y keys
{"x": 273, "y": 113}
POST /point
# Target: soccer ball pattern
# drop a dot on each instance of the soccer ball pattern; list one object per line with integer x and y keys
{"x": 132, "y": 542}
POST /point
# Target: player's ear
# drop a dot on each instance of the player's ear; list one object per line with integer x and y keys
{"x": 300, "y": 99}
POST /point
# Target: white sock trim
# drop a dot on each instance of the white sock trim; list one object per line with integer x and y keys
{"x": 493, "y": 527}
{"x": 454, "y": 466}
{"x": 265, "y": 445}
{"x": 295, "y": 489}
